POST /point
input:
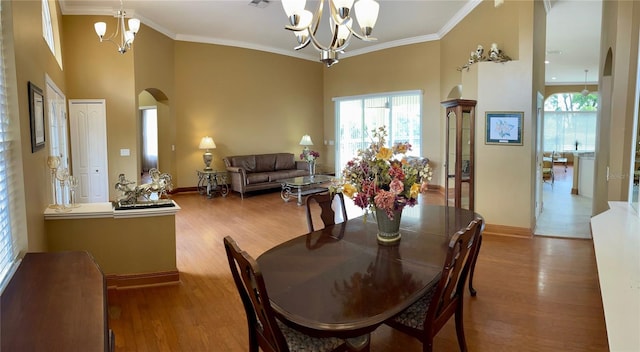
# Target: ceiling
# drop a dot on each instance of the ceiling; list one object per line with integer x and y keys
{"x": 573, "y": 27}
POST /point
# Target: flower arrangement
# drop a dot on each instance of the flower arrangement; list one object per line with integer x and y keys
{"x": 384, "y": 177}
{"x": 309, "y": 155}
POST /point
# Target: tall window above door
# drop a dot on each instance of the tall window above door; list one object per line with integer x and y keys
{"x": 356, "y": 116}
{"x": 50, "y": 29}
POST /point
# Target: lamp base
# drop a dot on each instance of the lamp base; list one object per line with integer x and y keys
{"x": 207, "y": 157}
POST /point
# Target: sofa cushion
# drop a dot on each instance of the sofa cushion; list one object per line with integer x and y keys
{"x": 265, "y": 162}
{"x": 282, "y": 174}
{"x": 257, "y": 177}
{"x": 247, "y": 162}
{"x": 284, "y": 161}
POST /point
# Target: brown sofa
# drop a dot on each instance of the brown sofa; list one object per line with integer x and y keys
{"x": 262, "y": 171}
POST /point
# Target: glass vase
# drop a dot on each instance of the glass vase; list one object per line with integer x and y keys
{"x": 312, "y": 168}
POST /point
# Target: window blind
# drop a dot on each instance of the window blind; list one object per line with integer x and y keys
{"x": 401, "y": 112}
{"x": 12, "y": 213}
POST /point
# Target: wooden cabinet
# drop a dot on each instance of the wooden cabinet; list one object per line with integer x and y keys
{"x": 56, "y": 302}
{"x": 459, "y": 158}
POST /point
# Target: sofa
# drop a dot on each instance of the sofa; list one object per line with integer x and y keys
{"x": 262, "y": 171}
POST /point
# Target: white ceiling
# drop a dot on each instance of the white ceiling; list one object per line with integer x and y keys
{"x": 573, "y": 27}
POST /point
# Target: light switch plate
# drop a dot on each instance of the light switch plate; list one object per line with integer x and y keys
{"x": 125, "y": 152}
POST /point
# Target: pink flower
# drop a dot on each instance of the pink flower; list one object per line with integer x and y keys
{"x": 396, "y": 186}
{"x": 385, "y": 200}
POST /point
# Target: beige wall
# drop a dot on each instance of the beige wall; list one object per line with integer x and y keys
{"x": 96, "y": 70}
{"x": 154, "y": 72}
{"x": 248, "y": 101}
{"x": 411, "y": 67}
{"x": 33, "y": 60}
{"x": 621, "y": 25}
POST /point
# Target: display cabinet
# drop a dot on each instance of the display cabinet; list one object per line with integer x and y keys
{"x": 459, "y": 157}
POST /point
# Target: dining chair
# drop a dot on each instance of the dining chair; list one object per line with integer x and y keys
{"x": 265, "y": 330}
{"x": 424, "y": 319}
{"x": 547, "y": 171}
{"x": 329, "y": 203}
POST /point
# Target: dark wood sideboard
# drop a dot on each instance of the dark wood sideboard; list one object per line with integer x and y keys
{"x": 55, "y": 301}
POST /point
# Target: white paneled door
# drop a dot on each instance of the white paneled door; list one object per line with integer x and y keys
{"x": 88, "y": 125}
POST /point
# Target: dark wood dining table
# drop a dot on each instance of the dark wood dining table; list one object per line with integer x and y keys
{"x": 338, "y": 281}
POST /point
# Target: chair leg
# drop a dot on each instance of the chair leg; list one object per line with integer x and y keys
{"x": 427, "y": 345}
{"x": 253, "y": 342}
{"x": 460, "y": 327}
{"x": 472, "y": 290}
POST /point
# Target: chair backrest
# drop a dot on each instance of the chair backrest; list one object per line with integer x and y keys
{"x": 450, "y": 289}
{"x": 250, "y": 284}
{"x": 329, "y": 212}
{"x": 547, "y": 169}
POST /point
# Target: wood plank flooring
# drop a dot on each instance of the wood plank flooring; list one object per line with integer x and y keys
{"x": 537, "y": 294}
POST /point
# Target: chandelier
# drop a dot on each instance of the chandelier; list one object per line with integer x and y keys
{"x": 125, "y": 36}
{"x": 585, "y": 91}
{"x": 304, "y": 24}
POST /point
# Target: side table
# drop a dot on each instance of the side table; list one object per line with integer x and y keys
{"x": 211, "y": 182}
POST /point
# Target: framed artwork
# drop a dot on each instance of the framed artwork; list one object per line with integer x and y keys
{"x": 504, "y": 127}
{"x": 36, "y": 114}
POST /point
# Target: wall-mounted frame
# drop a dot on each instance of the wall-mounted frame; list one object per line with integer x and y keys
{"x": 504, "y": 127}
{"x": 36, "y": 114}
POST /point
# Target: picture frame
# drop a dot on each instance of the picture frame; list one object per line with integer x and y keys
{"x": 36, "y": 115}
{"x": 504, "y": 127}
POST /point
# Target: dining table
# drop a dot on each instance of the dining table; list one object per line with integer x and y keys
{"x": 339, "y": 281}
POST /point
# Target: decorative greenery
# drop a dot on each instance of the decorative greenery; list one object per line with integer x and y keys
{"x": 376, "y": 177}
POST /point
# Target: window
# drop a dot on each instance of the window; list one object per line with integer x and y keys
{"x": 12, "y": 213}
{"x": 356, "y": 116}
{"x": 570, "y": 119}
{"x": 47, "y": 27}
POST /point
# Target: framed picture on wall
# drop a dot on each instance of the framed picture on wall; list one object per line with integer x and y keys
{"x": 36, "y": 114}
{"x": 504, "y": 127}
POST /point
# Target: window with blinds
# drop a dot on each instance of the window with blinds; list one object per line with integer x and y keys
{"x": 12, "y": 213}
{"x": 401, "y": 112}
{"x": 562, "y": 129}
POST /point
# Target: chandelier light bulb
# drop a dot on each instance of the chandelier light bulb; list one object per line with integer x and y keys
{"x": 343, "y": 7}
{"x": 134, "y": 25}
{"x": 367, "y": 15}
{"x": 101, "y": 29}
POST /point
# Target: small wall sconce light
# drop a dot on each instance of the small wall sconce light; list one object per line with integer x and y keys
{"x": 207, "y": 143}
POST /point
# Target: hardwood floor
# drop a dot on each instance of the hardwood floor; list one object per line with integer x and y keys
{"x": 539, "y": 294}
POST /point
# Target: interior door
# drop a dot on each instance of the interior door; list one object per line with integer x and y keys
{"x": 58, "y": 136}
{"x": 88, "y": 124}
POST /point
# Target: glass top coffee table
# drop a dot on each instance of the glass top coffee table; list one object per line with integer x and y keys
{"x": 303, "y": 186}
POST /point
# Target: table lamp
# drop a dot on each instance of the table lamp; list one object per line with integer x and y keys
{"x": 207, "y": 143}
{"x": 306, "y": 142}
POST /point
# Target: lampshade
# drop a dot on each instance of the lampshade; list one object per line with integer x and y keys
{"x": 207, "y": 143}
{"x": 101, "y": 28}
{"x": 306, "y": 140}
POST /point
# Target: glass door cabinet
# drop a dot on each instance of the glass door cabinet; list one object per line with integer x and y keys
{"x": 459, "y": 158}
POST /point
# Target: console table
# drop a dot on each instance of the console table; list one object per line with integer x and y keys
{"x": 55, "y": 302}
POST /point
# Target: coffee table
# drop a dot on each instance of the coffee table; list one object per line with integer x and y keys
{"x": 302, "y": 186}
